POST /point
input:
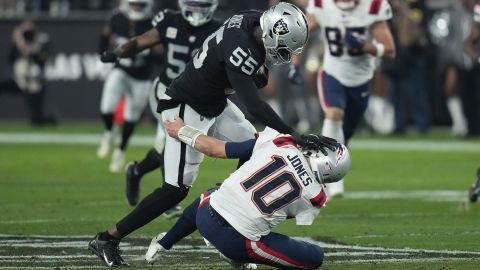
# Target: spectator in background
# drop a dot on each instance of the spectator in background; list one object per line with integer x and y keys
{"x": 28, "y": 57}
{"x": 407, "y": 71}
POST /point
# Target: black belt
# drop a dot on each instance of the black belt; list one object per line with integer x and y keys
{"x": 216, "y": 215}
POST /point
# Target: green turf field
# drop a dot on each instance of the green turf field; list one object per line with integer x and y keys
{"x": 405, "y": 206}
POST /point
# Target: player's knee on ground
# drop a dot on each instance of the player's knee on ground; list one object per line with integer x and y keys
{"x": 334, "y": 113}
{"x": 318, "y": 255}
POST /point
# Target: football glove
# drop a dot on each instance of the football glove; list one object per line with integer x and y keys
{"x": 294, "y": 75}
{"x": 315, "y": 142}
{"x": 261, "y": 77}
{"x": 108, "y": 57}
{"x": 354, "y": 41}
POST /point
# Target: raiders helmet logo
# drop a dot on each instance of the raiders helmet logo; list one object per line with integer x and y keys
{"x": 280, "y": 28}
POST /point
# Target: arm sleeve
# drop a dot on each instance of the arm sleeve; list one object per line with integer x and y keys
{"x": 247, "y": 91}
{"x": 242, "y": 150}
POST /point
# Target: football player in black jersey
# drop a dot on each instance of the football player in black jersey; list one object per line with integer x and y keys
{"x": 129, "y": 78}
{"x": 229, "y": 59}
{"x": 181, "y": 34}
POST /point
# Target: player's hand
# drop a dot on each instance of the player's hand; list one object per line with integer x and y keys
{"x": 261, "y": 77}
{"x": 355, "y": 41}
{"x": 316, "y": 142}
{"x": 294, "y": 75}
{"x": 173, "y": 127}
{"x": 108, "y": 57}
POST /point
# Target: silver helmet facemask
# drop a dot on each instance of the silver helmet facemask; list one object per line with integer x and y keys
{"x": 198, "y": 12}
{"x": 284, "y": 31}
{"x": 330, "y": 168}
{"x": 137, "y": 10}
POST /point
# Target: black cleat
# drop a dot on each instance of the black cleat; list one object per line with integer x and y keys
{"x": 107, "y": 250}
{"x": 474, "y": 191}
{"x": 132, "y": 187}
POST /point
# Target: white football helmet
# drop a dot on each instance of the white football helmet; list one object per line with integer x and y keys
{"x": 285, "y": 31}
{"x": 330, "y": 168}
{"x": 347, "y": 4}
{"x": 137, "y": 10}
{"x": 198, "y": 12}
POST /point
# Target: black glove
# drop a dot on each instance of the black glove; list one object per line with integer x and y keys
{"x": 294, "y": 75}
{"x": 108, "y": 57}
{"x": 315, "y": 142}
{"x": 261, "y": 77}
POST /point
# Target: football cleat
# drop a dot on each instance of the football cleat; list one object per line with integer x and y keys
{"x": 105, "y": 144}
{"x": 118, "y": 161}
{"x": 173, "y": 212}
{"x": 155, "y": 250}
{"x": 107, "y": 250}
{"x": 132, "y": 184}
{"x": 474, "y": 191}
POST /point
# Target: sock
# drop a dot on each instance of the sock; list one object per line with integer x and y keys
{"x": 127, "y": 131}
{"x": 184, "y": 226}
{"x": 108, "y": 121}
{"x": 333, "y": 129}
{"x": 151, "y": 161}
{"x": 455, "y": 108}
{"x": 152, "y": 206}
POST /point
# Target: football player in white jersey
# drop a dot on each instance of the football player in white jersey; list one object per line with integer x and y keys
{"x": 280, "y": 181}
{"x": 355, "y": 34}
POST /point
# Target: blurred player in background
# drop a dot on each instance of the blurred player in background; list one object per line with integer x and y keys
{"x": 130, "y": 78}
{"x": 28, "y": 56}
{"x": 229, "y": 58}
{"x": 181, "y": 34}
{"x": 280, "y": 181}
{"x": 355, "y": 33}
{"x": 472, "y": 50}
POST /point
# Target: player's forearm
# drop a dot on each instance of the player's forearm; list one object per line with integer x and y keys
{"x": 210, "y": 146}
{"x": 128, "y": 49}
{"x": 380, "y": 50}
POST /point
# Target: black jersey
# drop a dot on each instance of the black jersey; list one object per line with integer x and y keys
{"x": 233, "y": 46}
{"x": 140, "y": 66}
{"x": 180, "y": 40}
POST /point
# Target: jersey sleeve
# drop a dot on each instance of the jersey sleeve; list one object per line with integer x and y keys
{"x": 307, "y": 217}
{"x": 240, "y": 53}
{"x": 115, "y": 23}
{"x": 476, "y": 13}
{"x": 161, "y": 21}
{"x": 381, "y": 9}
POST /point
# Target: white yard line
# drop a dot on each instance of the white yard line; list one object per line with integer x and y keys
{"x": 147, "y": 140}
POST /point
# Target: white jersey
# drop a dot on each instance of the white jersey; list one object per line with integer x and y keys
{"x": 351, "y": 68}
{"x": 275, "y": 184}
{"x": 476, "y": 13}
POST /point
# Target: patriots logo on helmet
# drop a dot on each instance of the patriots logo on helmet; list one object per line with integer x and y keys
{"x": 280, "y": 28}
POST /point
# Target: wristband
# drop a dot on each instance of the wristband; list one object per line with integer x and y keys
{"x": 188, "y": 135}
{"x": 380, "y": 48}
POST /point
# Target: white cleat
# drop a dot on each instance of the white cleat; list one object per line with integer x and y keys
{"x": 105, "y": 145}
{"x": 118, "y": 161}
{"x": 335, "y": 189}
{"x": 237, "y": 265}
{"x": 155, "y": 250}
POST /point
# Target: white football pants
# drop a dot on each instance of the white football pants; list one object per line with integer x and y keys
{"x": 118, "y": 84}
{"x": 182, "y": 161}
